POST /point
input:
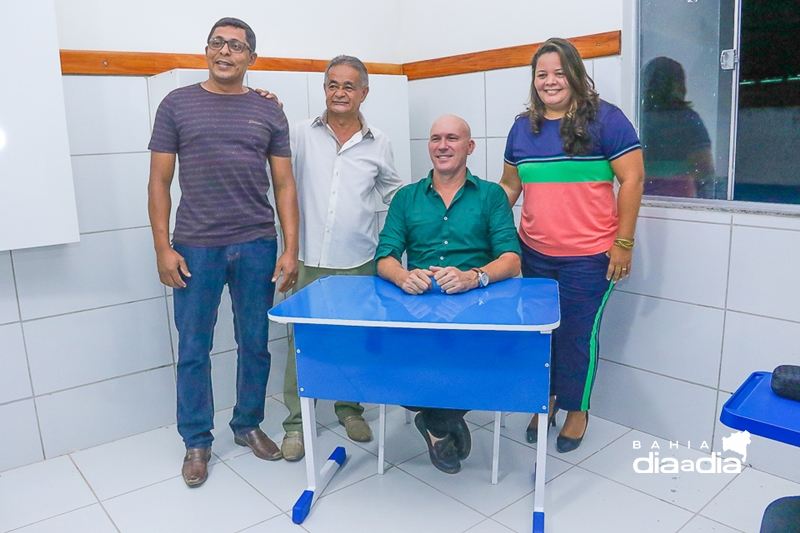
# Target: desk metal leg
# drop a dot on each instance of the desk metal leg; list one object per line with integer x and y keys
{"x": 381, "y": 437}
{"x": 498, "y": 421}
{"x": 541, "y": 459}
{"x": 317, "y": 479}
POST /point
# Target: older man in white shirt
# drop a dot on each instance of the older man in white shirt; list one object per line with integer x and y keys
{"x": 339, "y": 163}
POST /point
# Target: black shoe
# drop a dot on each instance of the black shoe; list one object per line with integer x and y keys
{"x": 532, "y": 434}
{"x": 443, "y": 453}
{"x": 461, "y": 438}
{"x": 566, "y": 444}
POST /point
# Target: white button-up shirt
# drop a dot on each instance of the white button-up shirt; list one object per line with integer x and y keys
{"x": 336, "y": 188}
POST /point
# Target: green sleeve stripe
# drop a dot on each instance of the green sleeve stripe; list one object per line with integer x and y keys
{"x": 572, "y": 171}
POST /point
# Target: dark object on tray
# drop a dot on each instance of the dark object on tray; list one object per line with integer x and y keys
{"x": 786, "y": 382}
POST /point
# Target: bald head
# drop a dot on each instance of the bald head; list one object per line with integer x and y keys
{"x": 452, "y": 123}
{"x": 449, "y": 145}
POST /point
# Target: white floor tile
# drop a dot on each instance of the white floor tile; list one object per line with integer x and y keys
{"x": 280, "y": 524}
{"x": 397, "y": 503}
{"x": 283, "y": 482}
{"x": 741, "y": 505}
{"x": 601, "y": 433}
{"x": 41, "y": 490}
{"x": 92, "y": 519}
{"x": 223, "y": 504}
{"x": 403, "y": 441}
{"x": 480, "y": 418}
{"x": 690, "y": 490}
{"x": 699, "y": 524}
{"x": 488, "y": 526}
{"x": 129, "y": 464}
{"x": 580, "y": 501}
{"x": 473, "y": 485}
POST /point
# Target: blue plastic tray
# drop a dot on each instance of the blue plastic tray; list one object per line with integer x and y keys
{"x": 755, "y": 408}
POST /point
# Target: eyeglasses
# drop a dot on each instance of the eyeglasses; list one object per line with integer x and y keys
{"x": 234, "y": 45}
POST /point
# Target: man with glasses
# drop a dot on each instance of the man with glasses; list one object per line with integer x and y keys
{"x": 223, "y": 135}
{"x": 341, "y": 163}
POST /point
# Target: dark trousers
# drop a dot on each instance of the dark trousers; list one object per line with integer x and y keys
{"x": 583, "y": 292}
{"x": 247, "y": 268}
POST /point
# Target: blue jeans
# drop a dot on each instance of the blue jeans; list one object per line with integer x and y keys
{"x": 247, "y": 268}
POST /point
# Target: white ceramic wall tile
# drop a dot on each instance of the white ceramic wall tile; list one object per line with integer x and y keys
{"x": 40, "y": 491}
{"x": 767, "y": 455}
{"x": 763, "y": 278}
{"x": 685, "y": 261}
{"x": 14, "y": 379}
{"x": 316, "y": 94}
{"x": 106, "y": 114}
{"x": 79, "y": 348}
{"x": 19, "y": 435}
{"x": 111, "y": 191}
{"x": 507, "y": 95}
{"x": 386, "y": 108}
{"x": 290, "y": 87}
{"x": 476, "y": 162}
{"x": 420, "y": 160}
{"x": 103, "y": 269}
{"x": 608, "y": 79}
{"x": 279, "y": 350}
{"x": 754, "y": 343}
{"x": 679, "y": 340}
{"x": 79, "y": 418}
{"x": 462, "y": 95}
{"x": 495, "y": 148}
{"x": 661, "y": 406}
{"x": 763, "y": 221}
{"x": 92, "y": 518}
{"x": 687, "y": 214}
{"x": 8, "y": 293}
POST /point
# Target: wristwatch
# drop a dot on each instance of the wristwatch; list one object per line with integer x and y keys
{"x": 483, "y": 277}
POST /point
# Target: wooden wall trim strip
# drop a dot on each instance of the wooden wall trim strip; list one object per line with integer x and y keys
{"x": 589, "y": 46}
{"x": 151, "y": 63}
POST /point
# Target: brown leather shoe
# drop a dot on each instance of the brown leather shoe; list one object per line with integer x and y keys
{"x": 195, "y": 466}
{"x": 262, "y": 446}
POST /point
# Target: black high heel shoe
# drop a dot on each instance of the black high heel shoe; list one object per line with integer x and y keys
{"x": 566, "y": 444}
{"x": 532, "y": 435}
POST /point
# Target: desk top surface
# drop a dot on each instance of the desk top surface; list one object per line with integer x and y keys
{"x": 756, "y": 408}
{"x": 512, "y": 305}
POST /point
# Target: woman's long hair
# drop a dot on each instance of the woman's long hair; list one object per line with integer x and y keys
{"x": 575, "y": 136}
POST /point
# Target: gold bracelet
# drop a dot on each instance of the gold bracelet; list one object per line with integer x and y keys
{"x": 624, "y": 243}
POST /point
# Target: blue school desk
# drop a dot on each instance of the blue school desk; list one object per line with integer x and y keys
{"x": 755, "y": 408}
{"x": 362, "y": 339}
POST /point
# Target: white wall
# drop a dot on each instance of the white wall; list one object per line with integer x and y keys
{"x": 437, "y": 28}
{"x": 389, "y": 31}
{"x": 314, "y": 29}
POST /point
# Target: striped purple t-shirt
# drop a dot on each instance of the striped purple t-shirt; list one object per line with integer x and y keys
{"x": 222, "y": 142}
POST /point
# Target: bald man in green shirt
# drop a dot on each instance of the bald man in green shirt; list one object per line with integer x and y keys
{"x": 459, "y": 230}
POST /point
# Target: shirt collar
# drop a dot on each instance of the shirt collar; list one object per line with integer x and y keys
{"x": 322, "y": 120}
{"x": 428, "y": 180}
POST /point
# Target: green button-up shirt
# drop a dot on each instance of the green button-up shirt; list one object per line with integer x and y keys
{"x": 475, "y": 230}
